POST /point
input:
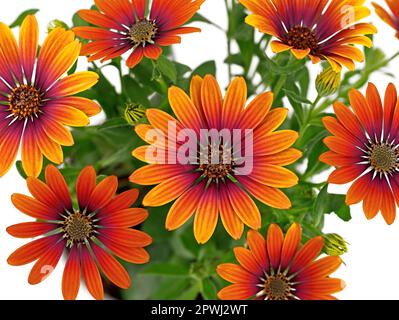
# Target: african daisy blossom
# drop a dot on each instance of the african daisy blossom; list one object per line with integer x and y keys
{"x": 390, "y": 18}
{"x": 90, "y": 233}
{"x": 364, "y": 150}
{"x": 221, "y": 187}
{"x": 320, "y": 29}
{"x": 124, "y": 25}
{"x": 279, "y": 268}
{"x": 36, "y": 101}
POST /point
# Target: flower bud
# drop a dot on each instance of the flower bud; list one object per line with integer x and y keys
{"x": 134, "y": 113}
{"x": 334, "y": 244}
{"x": 327, "y": 82}
{"x": 56, "y": 24}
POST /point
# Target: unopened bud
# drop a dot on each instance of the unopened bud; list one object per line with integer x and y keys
{"x": 327, "y": 82}
{"x": 134, "y": 113}
{"x": 56, "y": 24}
{"x": 334, "y": 244}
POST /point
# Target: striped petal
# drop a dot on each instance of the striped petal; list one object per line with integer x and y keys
{"x": 32, "y": 251}
{"x": 230, "y": 220}
{"x": 234, "y": 102}
{"x": 309, "y": 252}
{"x": 46, "y": 263}
{"x": 291, "y": 245}
{"x": 28, "y": 43}
{"x": 71, "y": 276}
{"x": 85, "y": 186}
{"x": 211, "y": 101}
{"x": 169, "y": 190}
{"x": 103, "y": 193}
{"x": 91, "y": 275}
{"x": 274, "y": 243}
{"x": 257, "y": 245}
{"x": 56, "y": 182}
{"x": 184, "y": 207}
{"x": 30, "y": 229}
{"x": 235, "y": 274}
{"x": 244, "y": 206}
{"x": 206, "y": 217}
{"x": 112, "y": 269}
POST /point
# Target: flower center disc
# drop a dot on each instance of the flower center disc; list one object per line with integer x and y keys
{"x": 383, "y": 158}
{"x": 302, "y": 38}
{"x": 218, "y": 163}
{"x": 24, "y": 101}
{"x": 277, "y": 287}
{"x": 78, "y": 227}
{"x": 216, "y": 171}
{"x": 143, "y": 31}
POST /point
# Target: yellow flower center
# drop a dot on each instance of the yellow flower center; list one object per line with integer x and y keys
{"x": 24, "y": 101}
{"x": 143, "y": 31}
{"x": 277, "y": 287}
{"x": 77, "y": 228}
{"x": 219, "y": 163}
{"x": 302, "y": 38}
{"x": 383, "y": 158}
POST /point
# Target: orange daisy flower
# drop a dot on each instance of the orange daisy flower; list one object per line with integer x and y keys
{"x": 364, "y": 149}
{"x": 211, "y": 187}
{"x": 279, "y": 268}
{"x": 391, "y": 19}
{"x": 35, "y": 104}
{"x": 90, "y": 233}
{"x": 124, "y": 25}
{"x": 320, "y": 29}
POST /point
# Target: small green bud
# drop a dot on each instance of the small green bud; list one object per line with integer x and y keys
{"x": 334, "y": 244}
{"x": 134, "y": 113}
{"x": 327, "y": 82}
{"x": 56, "y": 24}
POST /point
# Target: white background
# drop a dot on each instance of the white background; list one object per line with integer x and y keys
{"x": 373, "y": 258}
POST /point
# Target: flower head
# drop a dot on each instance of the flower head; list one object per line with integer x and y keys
{"x": 214, "y": 156}
{"x": 320, "y": 29}
{"x": 134, "y": 113}
{"x": 36, "y": 101}
{"x": 327, "y": 82}
{"x": 124, "y": 25}
{"x": 391, "y": 19}
{"x": 364, "y": 150}
{"x": 334, "y": 244}
{"x": 279, "y": 268}
{"x": 90, "y": 233}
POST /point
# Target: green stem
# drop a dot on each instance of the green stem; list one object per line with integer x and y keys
{"x": 228, "y": 36}
{"x": 309, "y": 117}
{"x": 358, "y": 84}
{"x": 282, "y": 79}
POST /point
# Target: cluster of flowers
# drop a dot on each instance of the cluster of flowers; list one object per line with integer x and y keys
{"x": 37, "y": 102}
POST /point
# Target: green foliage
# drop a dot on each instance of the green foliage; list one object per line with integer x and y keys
{"x": 179, "y": 267}
{"x": 18, "y": 21}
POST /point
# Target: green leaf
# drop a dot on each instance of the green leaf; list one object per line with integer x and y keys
{"x": 167, "y": 68}
{"x": 113, "y": 124}
{"x": 209, "y": 291}
{"x": 167, "y": 269}
{"x": 200, "y": 18}
{"x": 289, "y": 68}
{"x": 208, "y": 67}
{"x": 106, "y": 95}
{"x": 344, "y": 213}
{"x": 22, "y": 17}
{"x": 78, "y": 21}
{"x": 236, "y": 59}
{"x": 20, "y": 169}
{"x": 295, "y": 97}
{"x": 327, "y": 203}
